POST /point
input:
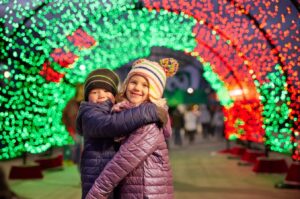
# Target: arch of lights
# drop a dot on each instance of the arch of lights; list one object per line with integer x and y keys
{"x": 246, "y": 47}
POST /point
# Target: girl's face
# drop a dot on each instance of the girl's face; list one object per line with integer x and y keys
{"x": 99, "y": 95}
{"x": 137, "y": 90}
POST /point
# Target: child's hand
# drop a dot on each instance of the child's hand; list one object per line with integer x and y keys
{"x": 119, "y": 139}
{"x": 162, "y": 115}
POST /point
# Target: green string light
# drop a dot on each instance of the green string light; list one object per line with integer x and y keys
{"x": 275, "y": 99}
{"x": 216, "y": 84}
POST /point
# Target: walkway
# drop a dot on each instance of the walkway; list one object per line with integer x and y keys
{"x": 199, "y": 173}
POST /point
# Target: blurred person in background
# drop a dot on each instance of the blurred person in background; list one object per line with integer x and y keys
{"x": 205, "y": 119}
{"x": 73, "y": 152}
{"x": 218, "y": 123}
{"x": 190, "y": 123}
{"x": 177, "y": 124}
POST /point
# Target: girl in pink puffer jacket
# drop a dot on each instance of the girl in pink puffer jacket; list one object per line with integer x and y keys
{"x": 141, "y": 168}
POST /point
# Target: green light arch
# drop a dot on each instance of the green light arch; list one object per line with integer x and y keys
{"x": 35, "y": 119}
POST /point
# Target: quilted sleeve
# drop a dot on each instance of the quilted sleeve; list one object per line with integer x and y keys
{"x": 135, "y": 150}
{"x": 117, "y": 124}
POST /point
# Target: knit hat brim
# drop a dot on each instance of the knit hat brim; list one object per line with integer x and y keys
{"x": 102, "y": 85}
{"x": 103, "y": 79}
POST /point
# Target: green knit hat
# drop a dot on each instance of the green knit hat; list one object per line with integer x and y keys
{"x": 101, "y": 78}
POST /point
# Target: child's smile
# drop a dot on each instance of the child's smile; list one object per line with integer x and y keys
{"x": 137, "y": 90}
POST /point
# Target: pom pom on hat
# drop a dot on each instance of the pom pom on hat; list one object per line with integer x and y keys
{"x": 170, "y": 66}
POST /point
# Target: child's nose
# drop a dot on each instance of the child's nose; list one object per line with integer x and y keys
{"x": 100, "y": 94}
{"x": 138, "y": 87}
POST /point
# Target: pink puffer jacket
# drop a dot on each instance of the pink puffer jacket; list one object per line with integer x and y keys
{"x": 141, "y": 167}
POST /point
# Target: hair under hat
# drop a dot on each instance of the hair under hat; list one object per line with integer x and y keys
{"x": 155, "y": 73}
{"x": 101, "y": 78}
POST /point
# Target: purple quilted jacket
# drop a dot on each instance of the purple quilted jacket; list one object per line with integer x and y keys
{"x": 141, "y": 167}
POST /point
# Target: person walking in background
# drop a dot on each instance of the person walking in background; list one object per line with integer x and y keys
{"x": 205, "y": 120}
{"x": 69, "y": 119}
{"x": 218, "y": 123}
{"x": 99, "y": 126}
{"x": 190, "y": 122}
{"x": 177, "y": 124}
{"x": 71, "y": 110}
{"x": 141, "y": 165}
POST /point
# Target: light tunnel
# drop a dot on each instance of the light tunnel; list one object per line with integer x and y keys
{"x": 245, "y": 47}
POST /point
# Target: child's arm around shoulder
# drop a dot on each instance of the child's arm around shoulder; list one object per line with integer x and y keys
{"x": 98, "y": 120}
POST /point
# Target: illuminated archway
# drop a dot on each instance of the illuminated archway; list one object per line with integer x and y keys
{"x": 58, "y": 43}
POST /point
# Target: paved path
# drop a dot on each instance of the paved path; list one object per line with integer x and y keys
{"x": 199, "y": 173}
